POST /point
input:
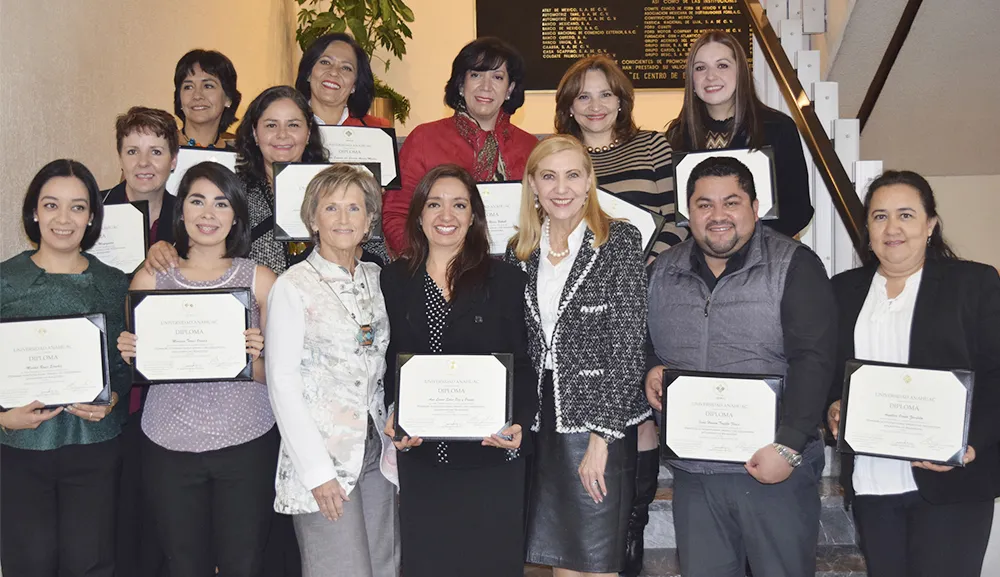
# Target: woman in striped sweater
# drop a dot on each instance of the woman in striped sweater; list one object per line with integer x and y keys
{"x": 594, "y": 103}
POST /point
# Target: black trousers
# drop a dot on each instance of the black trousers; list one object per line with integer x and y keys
{"x": 57, "y": 510}
{"x": 212, "y": 509}
{"x": 905, "y": 536}
{"x": 137, "y": 548}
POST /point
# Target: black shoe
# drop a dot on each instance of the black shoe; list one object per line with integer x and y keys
{"x": 647, "y": 470}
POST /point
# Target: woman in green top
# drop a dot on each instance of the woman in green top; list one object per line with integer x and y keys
{"x": 60, "y": 467}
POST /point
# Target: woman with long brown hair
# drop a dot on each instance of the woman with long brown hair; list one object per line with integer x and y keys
{"x": 721, "y": 110}
{"x": 461, "y": 504}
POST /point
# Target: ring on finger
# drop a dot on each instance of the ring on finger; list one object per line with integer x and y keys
{"x": 594, "y": 483}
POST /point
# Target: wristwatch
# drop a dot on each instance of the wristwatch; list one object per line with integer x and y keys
{"x": 794, "y": 459}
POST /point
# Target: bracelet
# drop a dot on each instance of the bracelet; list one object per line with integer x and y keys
{"x": 794, "y": 459}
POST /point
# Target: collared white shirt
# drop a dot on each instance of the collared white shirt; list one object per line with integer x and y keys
{"x": 343, "y": 117}
{"x": 882, "y": 333}
{"x": 551, "y": 280}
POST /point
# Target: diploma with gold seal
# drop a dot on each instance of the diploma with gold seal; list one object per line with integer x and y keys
{"x": 54, "y": 360}
{"x": 453, "y": 397}
{"x": 905, "y": 412}
{"x": 718, "y": 416}
{"x": 190, "y": 335}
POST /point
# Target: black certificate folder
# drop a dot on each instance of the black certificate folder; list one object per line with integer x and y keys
{"x": 905, "y": 412}
{"x": 189, "y": 336}
{"x": 453, "y": 397}
{"x": 719, "y": 417}
{"x": 57, "y": 360}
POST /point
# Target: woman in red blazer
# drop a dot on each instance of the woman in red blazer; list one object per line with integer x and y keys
{"x": 336, "y": 78}
{"x": 486, "y": 87}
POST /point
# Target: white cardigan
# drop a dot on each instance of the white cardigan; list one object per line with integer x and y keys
{"x": 322, "y": 382}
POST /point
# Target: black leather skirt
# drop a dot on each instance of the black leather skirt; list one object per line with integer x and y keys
{"x": 566, "y": 528}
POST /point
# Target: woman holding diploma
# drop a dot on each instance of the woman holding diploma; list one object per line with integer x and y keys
{"x": 325, "y": 364}
{"x": 586, "y": 319}
{"x": 461, "y": 502}
{"x": 209, "y": 448}
{"x": 336, "y": 78}
{"x": 915, "y": 302}
{"x": 60, "y": 466}
{"x": 486, "y": 87}
{"x": 205, "y": 98}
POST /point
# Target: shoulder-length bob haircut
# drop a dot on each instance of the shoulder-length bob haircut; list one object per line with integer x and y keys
{"x": 218, "y": 65}
{"x": 147, "y": 121}
{"x": 529, "y": 229}
{"x": 238, "y": 240}
{"x": 936, "y": 246}
{"x": 249, "y": 160}
{"x": 61, "y": 168}
{"x": 688, "y": 131}
{"x": 572, "y": 84}
{"x": 339, "y": 177}
{"x": 360, "y": 101}
{"x": 471, "y": 267}
{"x": 486, "y": 53}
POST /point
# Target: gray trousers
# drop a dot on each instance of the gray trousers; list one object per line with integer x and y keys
{"x": 723, "y": 520}
{"x": 364, "y": 542}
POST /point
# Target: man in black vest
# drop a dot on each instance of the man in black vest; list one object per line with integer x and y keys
{"x": 737, "y": 297}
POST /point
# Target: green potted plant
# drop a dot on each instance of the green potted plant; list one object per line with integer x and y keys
{"x": 373, "y": 23}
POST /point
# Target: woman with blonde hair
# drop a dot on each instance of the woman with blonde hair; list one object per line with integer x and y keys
{"x": 585, "y": 311}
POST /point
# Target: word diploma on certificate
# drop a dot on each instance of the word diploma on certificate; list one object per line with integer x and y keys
{"x": 904, "y": 412}
{"x": 190, "y": 335}
{"x": 502, "y": 201}
{"x": 54, "y": 360}
{"x": 453, "y": 397}
{"x": 718, "y": 416}
{"x": 124, "y": 236}
{"x": 291, "y": 179}
{"x": 365, "y": 145}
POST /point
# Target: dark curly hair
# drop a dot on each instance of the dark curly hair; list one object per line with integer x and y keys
{"x": 486, "y": 53}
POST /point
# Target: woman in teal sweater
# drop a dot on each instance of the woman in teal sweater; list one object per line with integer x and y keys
{"x": 60, "y": 466}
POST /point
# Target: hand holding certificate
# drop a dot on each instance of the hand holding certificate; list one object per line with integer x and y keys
{"x": 190, "y": 336}
{"x": 453, "y": 397}
{"x": 55, "y": 360}
{"x": 904, "y": 412}
{"x": 718, "y": 416}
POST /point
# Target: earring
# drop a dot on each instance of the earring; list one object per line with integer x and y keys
{"x": 90, "y": 223}
{"x": 536, "y": 202}
{"x": 234, "y": 223}
{"x": 420, "y": 221}
{"x": 928, "y": 241}
{"x": 35, "y": 218}
{"x": 619, "y": 109}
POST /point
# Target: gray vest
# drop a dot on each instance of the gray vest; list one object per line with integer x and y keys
{"x": 735, "y": 328}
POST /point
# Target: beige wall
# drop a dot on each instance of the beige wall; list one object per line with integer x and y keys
{"x": 968, "y": 206}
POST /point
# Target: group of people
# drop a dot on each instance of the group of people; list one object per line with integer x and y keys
{"x": 187, "y": 479}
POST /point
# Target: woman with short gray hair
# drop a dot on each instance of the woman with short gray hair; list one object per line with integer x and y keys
{"x": 336, "y": 470}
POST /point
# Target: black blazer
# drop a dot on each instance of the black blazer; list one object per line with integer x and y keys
{"x": 956, "y": 324}
{"x": 489, "y": 319}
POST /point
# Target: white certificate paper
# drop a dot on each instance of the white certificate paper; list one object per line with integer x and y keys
{"x": 362, "y": 145}
{"x": 648, "y": 223}
{"x": 189, "y": 156}
{"x": 189, "y": 336}
{"x": 124, "y": 236}
{"x": 290, "y": 182}
{"x": 502, "y": 201}
{"x": 717, "y": 418}
{"x": 759, "y": 162}
{"x": 906, "y": 413}
{"x": 452, "y": 396}
{"x": 56, "y": 361}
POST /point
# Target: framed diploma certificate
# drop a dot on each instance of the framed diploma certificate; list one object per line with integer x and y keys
{"x": 453, "y": 397}
{"x": 648, "y": 222}
{"x": 290, "y": 182}
{"x": 189, "y": 156}
{"x": 502, "y": 201}
{"x": 365, "y": 145}
{"x": 761, "y": 165}
{"x": 190, "y": 335}
{"x": 55, "y": 360}
{"x": 718, "y": 416}
{"x": 904, "y": 412}
{"x": 124, "y": 236}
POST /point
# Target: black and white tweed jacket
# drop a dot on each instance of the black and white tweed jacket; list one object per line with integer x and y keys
{"x": 598, "y": 343}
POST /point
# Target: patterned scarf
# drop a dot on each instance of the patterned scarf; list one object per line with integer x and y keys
{"x": 489, "y": 164}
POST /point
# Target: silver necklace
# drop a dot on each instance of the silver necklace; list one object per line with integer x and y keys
{"x": 366, "y": 331}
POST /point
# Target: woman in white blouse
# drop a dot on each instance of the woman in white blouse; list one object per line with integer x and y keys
{"x": 915, "y": 303}
{"x": 336, "y": 471}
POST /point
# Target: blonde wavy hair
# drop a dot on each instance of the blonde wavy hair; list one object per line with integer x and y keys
{"x": 529, "y": 230}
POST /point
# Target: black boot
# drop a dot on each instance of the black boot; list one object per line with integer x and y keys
{"x": 647, "y": 469}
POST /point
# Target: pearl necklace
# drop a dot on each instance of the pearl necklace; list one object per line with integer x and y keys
{"x": 548, "y": 235}
{"x": 605, "y": 148}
